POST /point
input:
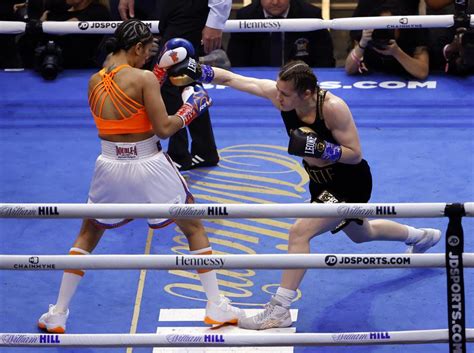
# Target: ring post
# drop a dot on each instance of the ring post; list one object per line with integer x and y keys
{"x": 455, "y": 277}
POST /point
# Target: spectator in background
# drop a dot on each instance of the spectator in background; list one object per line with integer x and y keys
{"x": 451, "y": 49}
{"x": 276, "y": 48}
{"x": 72, "y": 50}
{"x": 394, "y": 51}
{"x": 143, "y": 9}
{"x": 364, "y": 7}
{"x": 8, "y": 53}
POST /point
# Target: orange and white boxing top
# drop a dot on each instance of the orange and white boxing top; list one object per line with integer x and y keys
{"x": 134, "y": 118}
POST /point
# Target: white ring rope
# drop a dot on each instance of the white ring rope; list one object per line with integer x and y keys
{"x": 179, "y": 211}
{"x": 231, "y": 339}
{"x": 260, "y": 261}
{"x": 254, "y": 261}
{"x": 267, "y": 25}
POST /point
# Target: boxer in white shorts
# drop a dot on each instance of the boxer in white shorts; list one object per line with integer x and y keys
{"x": 129, "y": 113}
{"x": 136, "y": 173}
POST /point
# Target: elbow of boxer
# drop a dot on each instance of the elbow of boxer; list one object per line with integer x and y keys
{"x": 161, "y": 134}
{"x": 164, "y": 131}
{"x": 351, "y": 156}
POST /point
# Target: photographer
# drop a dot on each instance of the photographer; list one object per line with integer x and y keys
{"x": 451, "y": 49}
{"x": 389, "y": 50}
{"x": 50, "y": 53}
{"x": 459, "y": 54}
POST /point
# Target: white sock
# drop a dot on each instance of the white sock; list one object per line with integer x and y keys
{"x": 285, "y": 296}
{"x": 69, "y": 283}
{"x": 414, "y": 235}
{"x": 66, "y": 292}
{"x": 209, "y": 278}
{"x": 209, "y": 283}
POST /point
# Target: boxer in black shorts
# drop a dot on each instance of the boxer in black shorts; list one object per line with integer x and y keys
{"x": 322, "y": 131}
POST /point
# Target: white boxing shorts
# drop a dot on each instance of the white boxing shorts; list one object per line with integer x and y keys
{"x": 136, "y": 172}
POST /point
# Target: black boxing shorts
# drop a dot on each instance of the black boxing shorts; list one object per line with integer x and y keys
{"x": 339, "y": 182}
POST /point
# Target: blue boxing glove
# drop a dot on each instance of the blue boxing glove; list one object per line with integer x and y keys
{"x": 304, "y": 142}
{"x": 196, "y": 101}
{"x": 173, "y": 52}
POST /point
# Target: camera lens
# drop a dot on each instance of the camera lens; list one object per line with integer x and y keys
{"x": 49, "y": 69}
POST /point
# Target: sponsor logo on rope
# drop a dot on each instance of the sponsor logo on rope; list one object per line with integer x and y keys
{"x": 332, "y": 260}
{"x": 48, "y": 211}
{"x": 214, "y": 338}
{"x": 18, "y": 339}
{"x": 365, "y": 211}
{"x": 84, "y": 25}
{"x": 187, "y": 211}
{"x": 385, "y": 210}
{"x": 403, "y": 20}
{"x": 49, "y": 339}
{"x": 379, "y": 336}
{"x": 354, "y": 337}
{"x": 34, "y": 264}
{"x": 355, "y": 211}
{"x": 9, "y": 211}
{"x": 188, "y": 339}
{"x": 402, "y": 25}
{"x": 201, "y": 261}
{"x": 217, "y": 211}
{"x": 259, "y": 24}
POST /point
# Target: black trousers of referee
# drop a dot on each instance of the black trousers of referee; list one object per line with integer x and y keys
{"x": 186, "y": 19}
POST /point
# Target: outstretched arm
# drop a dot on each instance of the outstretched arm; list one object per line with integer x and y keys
{"x": 189, "y": 70}
{"x": 260, "y": 87}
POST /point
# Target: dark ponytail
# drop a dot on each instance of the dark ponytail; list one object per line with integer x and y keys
{"x": 111, "y": 45}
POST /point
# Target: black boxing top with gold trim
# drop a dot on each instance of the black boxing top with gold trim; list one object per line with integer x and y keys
{"x": 292, "y": 121}
{"x": 344, "y": 182}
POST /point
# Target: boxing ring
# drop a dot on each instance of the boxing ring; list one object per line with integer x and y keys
{"x": 255, "y": 184}
{"x": 454, "y": 260}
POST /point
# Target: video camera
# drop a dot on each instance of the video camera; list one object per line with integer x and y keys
{"x": 48, "y": 60}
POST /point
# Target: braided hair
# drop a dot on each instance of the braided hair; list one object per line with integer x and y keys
{"x": 300, "y": 74}
{"x": 128, "y": 34}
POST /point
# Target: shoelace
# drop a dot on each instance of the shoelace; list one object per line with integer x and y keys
{"x": 425, "y": 238}
{"x": 225, "y": 303}
{"x": 267, "y": 312}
